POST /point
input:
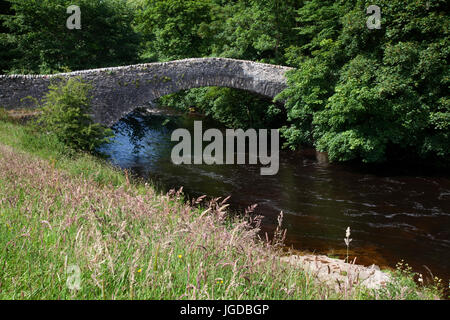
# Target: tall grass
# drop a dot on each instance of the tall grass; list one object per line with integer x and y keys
{"x": 59, "y": 209}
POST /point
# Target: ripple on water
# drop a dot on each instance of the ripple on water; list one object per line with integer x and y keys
{"x": 392, "y": 217}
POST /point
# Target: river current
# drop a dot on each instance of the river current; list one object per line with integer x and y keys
{"x": 393, "y": 214}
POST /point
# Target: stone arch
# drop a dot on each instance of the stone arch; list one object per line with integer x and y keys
{"x": 119, "y": 90}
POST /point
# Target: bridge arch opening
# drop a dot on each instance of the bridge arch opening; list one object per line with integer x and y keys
{"x": 229, "y": 107}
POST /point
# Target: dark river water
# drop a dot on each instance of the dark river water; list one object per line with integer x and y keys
{"x": 392, "y": 215}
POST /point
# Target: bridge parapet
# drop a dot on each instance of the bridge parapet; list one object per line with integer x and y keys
{"x": 119, "y": 90}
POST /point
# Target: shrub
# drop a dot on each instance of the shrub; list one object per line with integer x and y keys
{"x": 4, "y": 116}
{"x": 66, "y": 113}
{"x": 371, "y": 95}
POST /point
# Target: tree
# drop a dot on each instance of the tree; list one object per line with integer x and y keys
{"x": 371, "y": 95}
{"x": 45, "y": 45}
{"x": 6, "y": 48}
{"x": 257, "y": 30}
{"x": 175, "y": 29}
{"x": 233, "y": 108}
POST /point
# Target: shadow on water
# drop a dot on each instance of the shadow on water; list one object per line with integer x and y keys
{"x": 393, "y": 215}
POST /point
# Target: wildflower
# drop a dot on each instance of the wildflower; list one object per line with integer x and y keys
{"x": 180, "y": 256}
{"x": 140, "y": 270}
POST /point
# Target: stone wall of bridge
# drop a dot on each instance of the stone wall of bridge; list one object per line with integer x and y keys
{"x": 119, "y": 90}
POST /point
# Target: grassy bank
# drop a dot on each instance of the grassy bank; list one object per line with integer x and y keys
{"x": 59, "y": 209}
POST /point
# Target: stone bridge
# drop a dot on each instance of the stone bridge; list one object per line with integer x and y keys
{"x": 119, "y": 90}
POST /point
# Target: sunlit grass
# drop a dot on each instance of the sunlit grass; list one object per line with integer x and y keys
{"x": 59, "y": 209}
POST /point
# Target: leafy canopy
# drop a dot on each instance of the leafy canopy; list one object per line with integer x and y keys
{"x": 367, "y": 94}
{"x": 42, "y": 43}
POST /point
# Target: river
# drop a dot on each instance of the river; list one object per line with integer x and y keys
{"x": 393, "y": 214}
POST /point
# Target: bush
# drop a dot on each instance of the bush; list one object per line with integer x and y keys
{"x": 4, "y": 116}
{"x": 371, "y": 95}
{"x": 66, "y": 113}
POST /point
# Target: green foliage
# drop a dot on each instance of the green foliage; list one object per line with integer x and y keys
{"x": 243, "y": 29}
{"x": 404, "y": 284}
{"x": 358, "y": 94}
{"x": 66, "y": 114}
{"x": 75, "y": 220}
{"x": 6, "y": 53}
{"x": 371, "y": 95}
{"x": 6, "y": 48}
{"x": 175, "y": 29}
{"x": 43, "y": 44}
{"x": 253, "y": 30}
{"x": 4, "y": 116}
{"x": 233, "y": 108}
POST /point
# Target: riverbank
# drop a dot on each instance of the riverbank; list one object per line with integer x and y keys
{"x": 128, "y": 241}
